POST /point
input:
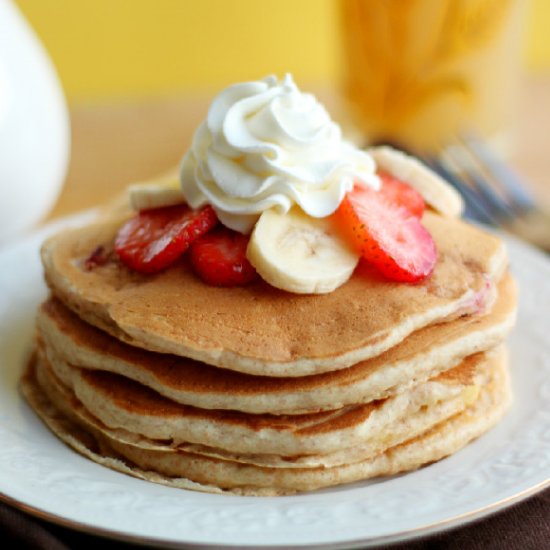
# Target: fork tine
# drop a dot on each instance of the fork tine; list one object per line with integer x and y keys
{"x": 492, "y": 194}
{"x": 498, "y": 174}
{"x": 470, "y": 170}
{"x": 475, "y": 209}
{"x": 502, "y": 194}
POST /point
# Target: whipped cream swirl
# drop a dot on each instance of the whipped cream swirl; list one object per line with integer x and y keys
{"x": 265, "y": 144}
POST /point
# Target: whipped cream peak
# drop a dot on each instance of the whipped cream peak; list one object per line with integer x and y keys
{"x": 265, "y": 144}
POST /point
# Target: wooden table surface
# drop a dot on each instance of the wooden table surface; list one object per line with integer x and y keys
{"x": 114, "y": 144}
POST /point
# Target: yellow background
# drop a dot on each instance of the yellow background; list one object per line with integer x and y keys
{"x": 131, "y": 48}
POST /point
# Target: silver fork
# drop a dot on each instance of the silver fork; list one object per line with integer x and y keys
{"x": 493, "y": 194}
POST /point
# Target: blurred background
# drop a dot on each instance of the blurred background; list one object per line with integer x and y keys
{"x": 138, "y": 76}
{"x": 106, "y": 49}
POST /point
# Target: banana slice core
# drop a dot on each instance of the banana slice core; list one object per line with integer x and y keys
{"x": 300, "y": 254}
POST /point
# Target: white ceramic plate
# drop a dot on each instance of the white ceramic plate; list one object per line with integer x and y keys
{"x": 41, "y": 475}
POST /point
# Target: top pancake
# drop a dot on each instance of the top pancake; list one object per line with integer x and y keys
{"x": 261, "y": 330}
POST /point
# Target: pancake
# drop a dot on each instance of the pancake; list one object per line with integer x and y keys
{"x": 119, "y": 403}
{"x": 199, "y": 472}
{"x": 261, "y": 330}
{"x": 421, "y": 356}
{"x": 411, "y": 420}
{"x": 256, "y": 390}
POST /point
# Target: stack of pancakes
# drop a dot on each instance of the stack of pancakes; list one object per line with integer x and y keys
{"x": 253, "y": 390}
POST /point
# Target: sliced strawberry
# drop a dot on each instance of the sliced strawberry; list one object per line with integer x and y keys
{"x": 154, "y": 239}
{"x": 219, "y": 258}
{"x": 387, "y": 235}
{"x": 401, "y": 193}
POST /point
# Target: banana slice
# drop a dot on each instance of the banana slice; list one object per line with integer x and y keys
{"x": 165, "y": 191}
{"x": 435, "y": 190}
{"x": 300, "y": 254}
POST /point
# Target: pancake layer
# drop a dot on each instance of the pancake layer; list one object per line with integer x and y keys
{"x": 261, "y": 330}
{"x": 190, "y": 470}
{"x": 119, "y": 403}
{"x": 423, "y": 355}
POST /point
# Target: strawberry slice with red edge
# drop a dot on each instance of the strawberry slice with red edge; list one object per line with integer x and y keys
{"x": 387, "y": 235}
{"x": 219, "y": 258}
{"x": 154, "y": 239}
{"x": 398, "y": 192}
